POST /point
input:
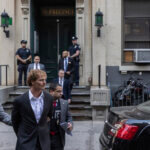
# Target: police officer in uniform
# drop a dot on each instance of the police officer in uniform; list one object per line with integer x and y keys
{"x": 74, "y": 53}
{"x": 23, "y": 56}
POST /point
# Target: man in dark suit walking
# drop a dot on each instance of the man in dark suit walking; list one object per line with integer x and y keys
{"x": 65, "y": 83}
{"x": 67, "y": 64}
{"x": 60, "y": 116}
{"x": 36, "y": 64}
{"x": 30, "y": 113}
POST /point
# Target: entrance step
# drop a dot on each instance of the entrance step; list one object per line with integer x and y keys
{"x": 80, "y": 101}
{"x": 81, "y": 116}
{"x": 75, "y": 88}
{"x": 80, "y": 106}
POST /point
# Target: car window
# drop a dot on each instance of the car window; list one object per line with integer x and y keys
{"x": 145, "y": 107}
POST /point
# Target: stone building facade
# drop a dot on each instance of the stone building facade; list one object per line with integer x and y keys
{"x": 106, "y": 50}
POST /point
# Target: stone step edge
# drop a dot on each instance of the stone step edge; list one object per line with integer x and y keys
{"x": 81, "y": 101}
{"x": 47, "y": 87}
{"x": 80, "y": 106}
{"x": 73, "y": 101}
{"x": 81, "y": 115}
{"x": 73, "y": 94}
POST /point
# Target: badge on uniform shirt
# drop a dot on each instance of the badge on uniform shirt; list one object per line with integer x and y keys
{"x": 75, "y": 46}
{"x": 57, "y": 116}
{"x": 27, "y": 50}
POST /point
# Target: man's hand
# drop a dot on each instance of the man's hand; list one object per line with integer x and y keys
{"x": 69, "y": 101}
{"x": 24, "y": 61}
{"x": 70, "y": 127}
{"x": 68, "y": 72}
{"x": 76, "y": 54}
{"x": 48, "y": 119}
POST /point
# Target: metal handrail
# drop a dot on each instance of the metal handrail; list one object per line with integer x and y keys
{"x": 6, "y": 66}
{"x": 99, "y": 76}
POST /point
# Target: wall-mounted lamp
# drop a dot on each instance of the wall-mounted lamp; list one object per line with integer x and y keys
{"x": 5, "y": 22}
{"x": 99, "y": 21}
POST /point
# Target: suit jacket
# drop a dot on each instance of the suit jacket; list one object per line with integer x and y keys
{"x": 25, "y": 125}
{"x": 71, "y": 66}
{"x": 4, "y": 117}
{"x": 31, "y": 67}
{"x": 65, "y": 116}
{"x": 66, "y": 88}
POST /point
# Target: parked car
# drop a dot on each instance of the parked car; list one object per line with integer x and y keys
{"x": 127, "y": 128}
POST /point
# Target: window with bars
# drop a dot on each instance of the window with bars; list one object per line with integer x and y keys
{"x": 136, "y": 27}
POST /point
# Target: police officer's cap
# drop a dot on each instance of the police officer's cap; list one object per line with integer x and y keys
{"x": 74, "y": 38}
{"x": 23, "y": 41}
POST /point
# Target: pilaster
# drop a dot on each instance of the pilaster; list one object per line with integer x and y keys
{"x": 25, "y": 5}
{"x": 80, "y": 34}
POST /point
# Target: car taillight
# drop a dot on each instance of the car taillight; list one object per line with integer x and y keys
{"x": 126, "y": 132}
{"x": 117, "y": 125}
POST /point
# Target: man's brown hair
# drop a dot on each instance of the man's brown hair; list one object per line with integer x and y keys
{"x": 34, "y": 75}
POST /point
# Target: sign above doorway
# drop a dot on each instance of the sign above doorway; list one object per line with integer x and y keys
{"x": 48, "y": 11}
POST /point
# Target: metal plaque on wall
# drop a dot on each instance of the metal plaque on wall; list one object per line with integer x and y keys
{"x": 48, "y": 11}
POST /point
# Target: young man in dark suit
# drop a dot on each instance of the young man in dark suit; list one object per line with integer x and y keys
{"x": 67, "y": 64}
{"x": 30, "y": 113}
{"x": 60, "y": 116}
{"x": 65, "y": 83}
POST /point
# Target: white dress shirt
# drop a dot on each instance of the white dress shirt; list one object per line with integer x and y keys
{"x": 61, "y": 82}
{"x": 38, "y": 66}
{"x": 37, "y": 105}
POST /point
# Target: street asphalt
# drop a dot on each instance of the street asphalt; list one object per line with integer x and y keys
{"x": 85, "y": 136}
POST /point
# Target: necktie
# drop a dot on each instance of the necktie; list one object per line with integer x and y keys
{"x": 65, "y": 65}
{"x": 61, "y": 82}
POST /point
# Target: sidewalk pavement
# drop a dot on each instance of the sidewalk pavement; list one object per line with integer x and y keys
{"x": 85, "y": 136}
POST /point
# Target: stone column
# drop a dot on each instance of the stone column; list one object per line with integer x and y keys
{"x": 87, "y": 42}
{"x": 25, "y": 4}
{"x": 99, "y": 43}
{"x": 80, "y": 34}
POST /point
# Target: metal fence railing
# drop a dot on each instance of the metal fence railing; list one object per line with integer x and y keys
{"x": 6, "y": 74}
{"x": 134, "y": 93}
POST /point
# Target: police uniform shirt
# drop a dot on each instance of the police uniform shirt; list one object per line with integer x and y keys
{"x": 24, "y": 53}
{"x": 73, "y": 49}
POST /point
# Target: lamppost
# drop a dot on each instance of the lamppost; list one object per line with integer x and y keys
{"x": 98, "y": 21}
{"x": 5, "y": 22}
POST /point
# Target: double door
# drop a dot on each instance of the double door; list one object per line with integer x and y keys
{"x": 54, "y": 37}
